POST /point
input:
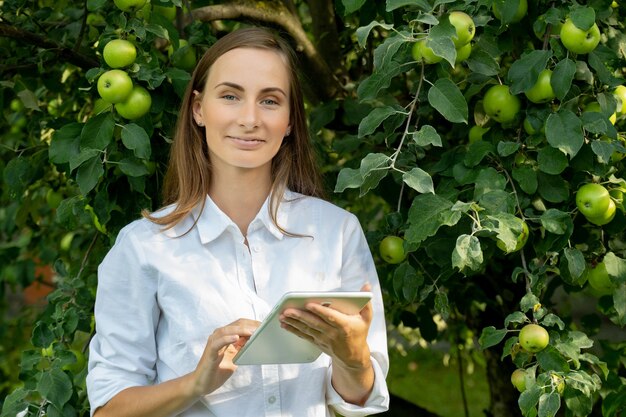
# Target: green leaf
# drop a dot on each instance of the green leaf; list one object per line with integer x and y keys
{"x": 386, "y": 67}
{"x": 581, "y": 404}
{"x": 396, "y": 4}
{"x": 515, "y": 317}
{"x": 564, "y": 132}
{"x": 551, "y": 160}
{"x": 552, "y": 188}
{"x": 551, "y": 319}
{"x": 619, "y": 302}
{"x": 603, "y": 149}
{"x": 442, "y": 306}
{"x": 526, "y": 177}
{"x": 507, "y": 148}
{"x": 529, "y": 399}
{"x": 137, "y": 140}
{"x": 425, "y": 217}
{"x": 65, "y": 143}
{"x": 374, "y": 167}
{"x": 84, "y": 156}
{"x": 363, "y": 32}
{"x": 351, "y": 6}
{"x": 528, "y": 302}
{"x": 95, "y": 5}
{"x": 371, "y": 122}
{"x": 615, "y": 266}
{"x": 602, "y": 71}
{"x": 490, "y": 336}
{"x": 97, "y": 132}
{"x": 348, "y": 178}
{"x": 440, "y": 41}
{"x": 18, "y": 175}
{"x": 407, "y": 282}
{"x": 524, "y": 72}
{"x": 550, "y": 359}
{"x": 56, "y": 387}
{"x": 488, "y": 180}
{"x": 480, "y": 62}
{"x": 133, "y": 167}
{"x": 467, "y": 253}
{"x": 575, "y": 264}
{"x": 89, "y": 174}
{"x": 476, "y": 152}
{"x": 583, "y": 17}
{"x": 556, "y": 221}
{"x": 419, "y": 180}
{"x": 448, "y": 100}
{"x": 15, "y": 403}
{"x": 549, "y": 404}
{"x": 427, "y": 135}
{"x": 562, "y": 77}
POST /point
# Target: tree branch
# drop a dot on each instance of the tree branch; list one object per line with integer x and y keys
{"x": 63, "y": 52}
{"x": 326, "y": 84}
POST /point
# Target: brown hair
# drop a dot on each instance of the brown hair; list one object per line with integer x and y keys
{"x": 188, "y": 176}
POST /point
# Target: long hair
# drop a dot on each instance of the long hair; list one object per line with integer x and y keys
{"x": 188, "y": 177}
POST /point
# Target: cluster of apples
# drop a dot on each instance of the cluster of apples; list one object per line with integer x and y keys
{"x": 116, "y": 87}
{"x": 595, "y": 203}
{"x": 465, "y": 31}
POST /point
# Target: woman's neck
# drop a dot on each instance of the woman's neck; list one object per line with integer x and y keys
{"x": 240, "y": 195}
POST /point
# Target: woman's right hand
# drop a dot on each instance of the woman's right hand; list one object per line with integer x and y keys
{"x": 216, "y": 364}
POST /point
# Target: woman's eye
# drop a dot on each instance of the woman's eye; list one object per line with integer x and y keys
{"x": 270, "y": 102}
{"x": 229, "y": 97}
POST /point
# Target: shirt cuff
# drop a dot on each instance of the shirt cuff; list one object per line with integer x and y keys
{"x": 377, "y": 402}
{"x": 104, "y": 384}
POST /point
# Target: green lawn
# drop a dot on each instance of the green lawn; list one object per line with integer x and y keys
{"x": 422, "y": 378}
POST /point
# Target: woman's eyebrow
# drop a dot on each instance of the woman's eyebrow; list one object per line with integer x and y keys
{"x": 240, "y": 88}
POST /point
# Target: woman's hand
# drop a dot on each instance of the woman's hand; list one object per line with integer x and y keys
{"x": 344, "y": 338}
{"x": 216, "y": 364}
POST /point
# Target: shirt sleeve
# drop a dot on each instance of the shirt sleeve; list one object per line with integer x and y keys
{"x": 123, "y": 351}
{"x": 357, "y": 269}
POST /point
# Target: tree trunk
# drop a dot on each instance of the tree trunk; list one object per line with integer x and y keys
{"x": 503, "y": 396}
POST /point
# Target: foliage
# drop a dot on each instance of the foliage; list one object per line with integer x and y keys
{"x": 392, "y": 131}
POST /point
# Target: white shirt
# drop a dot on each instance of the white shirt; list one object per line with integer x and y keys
{"x": 161, "y": 294}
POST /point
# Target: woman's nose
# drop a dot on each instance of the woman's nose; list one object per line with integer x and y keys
{"x": 249, "y": 115}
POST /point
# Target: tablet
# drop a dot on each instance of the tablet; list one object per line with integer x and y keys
{"x": 271, "y": 344}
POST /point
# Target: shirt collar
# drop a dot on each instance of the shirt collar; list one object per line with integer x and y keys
{"x": 212, "y": 221}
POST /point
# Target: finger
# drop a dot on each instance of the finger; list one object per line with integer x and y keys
{"x": 308, "y": 319}
{"x": 367, "y": 287}
{"x": 327, "y": 314}
{"x": 296, "y": 329}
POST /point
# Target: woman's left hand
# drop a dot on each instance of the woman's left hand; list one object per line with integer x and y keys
{"x": 342, "y": 336}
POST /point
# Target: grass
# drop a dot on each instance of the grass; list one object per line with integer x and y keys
{"x": 426, "y": 378}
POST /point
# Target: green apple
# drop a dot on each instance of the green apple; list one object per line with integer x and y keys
{"x": 168, "y": 12}
{"x": 522, "y": 8}
{"x": 463, "y": 53}
{"x": 522, "y": 238}
{"x": 101, "y": 106}
{"x": 500, "y": 104}
{"x": 604, "y": 218}
{"x": 16, "y": 105}
{"x": 533, "y": 338}
{"x": 518, "y": 379}
{"x": 422, "y": 52}
{"x": 542, "y": 91}
{"x": 136, "y": 105}
{"x": 185, "y": 59}
{"x": 599, "y": 280}
{"x": 465, "y": 28}
{"x": 620, "y": 95}
{"x": 476, "y": 133}
{"x": 592, "y": 200}
{"x": 594, "y": 107}
{"x": 578, "y": 40}
{"x": 129, "y": 5}
{"x": 119, "y": 53}
{"x": 53, "y": 198}
{"x": 391, "y": 249}
{"x": 114, "y": 86}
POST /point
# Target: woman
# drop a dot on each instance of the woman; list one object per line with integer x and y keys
{"x": 243, "y": 225}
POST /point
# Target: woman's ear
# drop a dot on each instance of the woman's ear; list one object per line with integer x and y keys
{"x": 196, "y": 108}
{"x": 288, "y": 131}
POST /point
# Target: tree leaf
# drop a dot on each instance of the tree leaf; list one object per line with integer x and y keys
{"x": 480, "y": 62}
{"x": 490, "y": 336}
{"x": 506, "y": 148}
{"x": 427, "y": 135}
{"x": 65, "y": 143}
{"x": 425, "y": 217}
{"x": 133, "y": 167}
{"x": 136, "y": 139}
{"x": 97, "y": 133}
{"x": 89, "y": 174}
{"x": 467, "y": 253}
{"x": 371, "y": 122}
{"x": 351, "y": 6}
{"x": 551, "y": 160}
{"x": 440, "y": 41}
{"x": 529, "y": 399}
{"x": 448, "y": 100}
{"x": 419, "y": 180}
{"x": 348, "y": 178}
{"x": 575, "y": 264}
{"x": 526, "y": 177}
{"x": 550, "y": 359}
{"x": 396, "y": 4}
{"x": 407, "y": 282}
{"x": 524, "y": 72}
{"x": 562, "y": 77}
{"x": 374, "y": 167}
{"x": 442, "y": 305}
{"x": 477, "y": 151}
{"x": 515, "y": 317}
{"x": 363, "y": 32}
{"x": 552, "y": 188}
{"x": 583, "y": 17}
{"x": 55, "y": 386}
{"x": 549, "y": 404}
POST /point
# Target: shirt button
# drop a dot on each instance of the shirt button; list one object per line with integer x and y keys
{"x": 271, "y": 400}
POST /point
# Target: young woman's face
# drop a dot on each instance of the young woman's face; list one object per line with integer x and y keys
{"x": 245, "y": 109}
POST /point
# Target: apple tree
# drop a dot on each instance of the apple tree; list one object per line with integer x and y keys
{"x": 501, "y": 168}
{"x": 479, "y": 141}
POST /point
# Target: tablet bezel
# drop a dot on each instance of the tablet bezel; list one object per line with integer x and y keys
{"x": 271, "y": 344}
